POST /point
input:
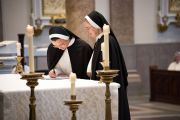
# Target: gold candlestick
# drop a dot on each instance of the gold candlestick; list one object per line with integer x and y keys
{"x": 32, "y": 81}
{"x": 19, "y": 67}
{"x": 1, "y": 63}
{"x": 104, "y": 68}
{"x": 107, "y": 77}
{"x": 73, "y": 104}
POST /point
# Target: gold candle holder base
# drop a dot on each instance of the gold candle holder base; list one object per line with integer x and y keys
{"x": 32, "y": 81}
{"x": 19, "y": 67}
{"x": 73, "y": 105}
{"x": 105, "y": 68}
{"x": 107, "y": 78}
{"x": 1, "y": 63}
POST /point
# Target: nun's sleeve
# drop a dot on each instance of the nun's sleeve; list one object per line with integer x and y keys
{"x": 59, "y": 72}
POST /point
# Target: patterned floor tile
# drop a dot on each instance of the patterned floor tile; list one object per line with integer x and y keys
{"x": 143, "y": 109}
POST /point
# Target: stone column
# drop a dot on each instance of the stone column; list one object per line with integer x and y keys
{"x": 76, "y": 10}
{"x": 122, "y": 20}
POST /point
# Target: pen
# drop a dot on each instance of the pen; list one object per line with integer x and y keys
{"x": 54, "y": 71}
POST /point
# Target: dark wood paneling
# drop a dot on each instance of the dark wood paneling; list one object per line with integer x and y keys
{"x": 141, "y": 56}
{"x": 164, "y": 85}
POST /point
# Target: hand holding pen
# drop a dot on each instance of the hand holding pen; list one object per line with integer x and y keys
{"x": 52, "y": 73}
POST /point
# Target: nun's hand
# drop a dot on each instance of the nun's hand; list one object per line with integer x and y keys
{"x": 52, "y": 74}
{"x": 89, "y": 74}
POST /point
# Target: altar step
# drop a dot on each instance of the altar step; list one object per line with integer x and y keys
{"x": 135, "y": 85}
{"x": 7, "y": 55}
{"x": 9, "y": 62}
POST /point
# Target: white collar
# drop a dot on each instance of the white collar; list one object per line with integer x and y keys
{"x": 71, "y": 42}
{"x": 99, "y": 36}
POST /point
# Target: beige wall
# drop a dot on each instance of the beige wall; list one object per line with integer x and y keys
{"x": 102, "y": 6}
{"x": 145, "y": 24}
{"x": 122, "y": 20}
{"x": 16, "y": 16}
{"x": 75, "y": 18}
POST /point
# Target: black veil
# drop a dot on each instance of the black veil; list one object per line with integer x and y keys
{"x": 99, "y": 20}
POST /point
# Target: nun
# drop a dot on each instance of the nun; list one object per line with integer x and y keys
{"x": 67, "y": 53}
{"x": 94, "y": 26}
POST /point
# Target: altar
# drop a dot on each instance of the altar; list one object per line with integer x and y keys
{"x": 50, "y": 94}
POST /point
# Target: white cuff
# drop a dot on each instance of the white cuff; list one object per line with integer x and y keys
{"x": 58, "y": 71}
{"x": 90, "y": 63}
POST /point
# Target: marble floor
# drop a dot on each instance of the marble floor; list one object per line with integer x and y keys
{"x": 143, "y": 109}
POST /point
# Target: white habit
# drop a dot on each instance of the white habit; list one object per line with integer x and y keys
{"x": 90, "y": 62}
{"x": 63, "y": 67}
{"x": 174, "y": 66}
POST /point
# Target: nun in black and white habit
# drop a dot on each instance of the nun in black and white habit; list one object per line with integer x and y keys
{"x": 67, "y": 53}
{"x": 94, "y": 25}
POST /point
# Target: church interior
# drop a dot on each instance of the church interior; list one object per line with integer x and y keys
{"x": 148, "y": 32}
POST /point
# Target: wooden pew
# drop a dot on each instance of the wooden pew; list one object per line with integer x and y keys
{"x": 164, "y": 85}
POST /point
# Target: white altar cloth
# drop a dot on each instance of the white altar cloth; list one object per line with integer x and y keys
{"x": 50, "y": 94}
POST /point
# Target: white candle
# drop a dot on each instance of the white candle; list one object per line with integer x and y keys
{"x": 18, "y": 47}
{"x": 106, "y": 32}
{"x": 30, "y": 33}
{"x": 103, "y": 52}
{"x": 73, "y": 80}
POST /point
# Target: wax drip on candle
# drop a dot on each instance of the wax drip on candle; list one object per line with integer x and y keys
{"x": 103, "y": 51}
{"x": 73, "y": 80}
{"x": 106, "y": 43}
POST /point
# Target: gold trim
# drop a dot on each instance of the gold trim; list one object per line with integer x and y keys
{"x": 53, "y": 18}
{"x": 172, "y": 12}
{"x": 163, "y": 28}
{"x": 73, "y": 105}
{"x": 164, "y": 20}
{"x": 107, "y": 78}
{"x": 1, "y": 63}
{"x": 73, "y": 97}
{"x": 105, "y": 68}
{"x": 49, "y": 15}
{"x": 177, "y": 17}
{"x": 32, "y": 82}
{"x": 19, "y": 67}
{"x": 36, "y": 22}
{"x": 38, "y": 30}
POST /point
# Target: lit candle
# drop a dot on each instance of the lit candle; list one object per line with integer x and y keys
{"x": 73, "y": 80}
{"x": 103, "y": 52}
{"x": 30, "y": 33}
{"x": 18, "y": 47}
{"x": 106, "y": 32}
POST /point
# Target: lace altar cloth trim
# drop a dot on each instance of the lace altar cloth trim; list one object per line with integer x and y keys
{"x": 50, "y": 94}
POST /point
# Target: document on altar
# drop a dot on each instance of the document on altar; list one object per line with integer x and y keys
{"x": 47, "y": 77}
